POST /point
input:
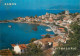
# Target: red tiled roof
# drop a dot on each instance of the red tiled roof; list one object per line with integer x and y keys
{"x": 60, "y": 21}
{"x": 22, "y": 46}
{"x": 65, "y": 19}
{"x": 53, "y": 39}
{"x": 19, "y": 17}
{"x": 51, "y": 20}
{"x": 13, "y": 45}
{"x": 55, "y": 44}
{"x": 61, "y": 28}
{"x": 58, "y": 37}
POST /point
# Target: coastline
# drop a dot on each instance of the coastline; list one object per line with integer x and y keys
{"x": 43, "y": 24}
{"x": 12, "y": 21}
{"x": 41, "y": 20}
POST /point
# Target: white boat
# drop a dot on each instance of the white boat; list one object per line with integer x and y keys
{"x": 48, "y": 30}
{"x": 9, "y": 26}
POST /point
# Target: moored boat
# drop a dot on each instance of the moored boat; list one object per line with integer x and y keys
{"x": 9, "y": 26}
{"x": 48, "y": 30}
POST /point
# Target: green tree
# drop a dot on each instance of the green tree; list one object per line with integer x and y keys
{"x": 47, "y": 36}
{"x": 33, "y": 39}
{"x": 55, "y": 34}
{"x": 15, "y": 19}
{"x": 63, "y": 12}
{"x": 34, "y": 50}
{"x": 31, "y": 16}
{"x": 35, "y": 16}
{"x": 73, "y": 42}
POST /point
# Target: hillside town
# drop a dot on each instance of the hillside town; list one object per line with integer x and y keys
{"x": 58, "y": 23}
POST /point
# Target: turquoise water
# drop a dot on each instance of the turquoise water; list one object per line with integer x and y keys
{"x": 20, "y": 33}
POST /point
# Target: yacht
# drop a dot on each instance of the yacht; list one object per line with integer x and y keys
{"x": 48, "y": 30}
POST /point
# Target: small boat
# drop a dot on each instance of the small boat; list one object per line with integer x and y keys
{"x": 42, "y": 35}
{"x": 9, "y": 26}
{"x": 48, "y": 30}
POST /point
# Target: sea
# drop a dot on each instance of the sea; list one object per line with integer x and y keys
{"x": 22, "y": 33}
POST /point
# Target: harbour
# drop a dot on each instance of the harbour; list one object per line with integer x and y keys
{"x": 21, "y": 33}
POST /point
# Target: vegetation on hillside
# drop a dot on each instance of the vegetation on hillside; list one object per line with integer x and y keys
{"x": 33, "y": 39}
{"x": 15, "y": 19}
{"x": 47, "y": 36}
{"x": 74, "y": 42}
{"x": 34, "y": 50}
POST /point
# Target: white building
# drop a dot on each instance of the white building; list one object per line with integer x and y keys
{"x": 67, "y": 12}
{"x": 52, "y": 15}
{"x": 47, "y": 13}
{"x": 43, "y": 16}
{"x": 17, "y": 49}
{"x": 69, "y": 21}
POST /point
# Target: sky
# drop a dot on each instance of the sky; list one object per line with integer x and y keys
{"x": 36, "y": 4}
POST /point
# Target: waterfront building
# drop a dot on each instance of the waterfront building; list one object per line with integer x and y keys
{"x": 18, "y": 49}
{"x": 50, "y": 42}
{"x": 47, "y": 13}
{"x": 19, "y": 18}
{"x": 40, "y": 17}
{"x": 43, "y": 16}
{"x": 52, "y": 15}
{"x": 27, "y": 17}
{"x": 67, "y": 12}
